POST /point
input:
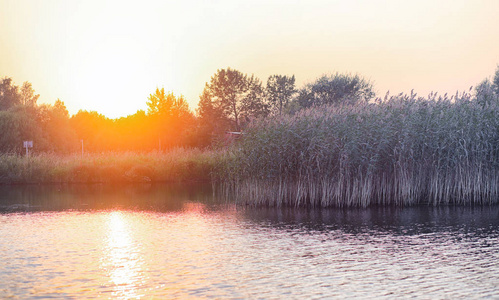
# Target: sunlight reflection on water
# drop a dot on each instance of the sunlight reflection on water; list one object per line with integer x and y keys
{"x": 198, "y": 249}
{"x": 122, "y": 258}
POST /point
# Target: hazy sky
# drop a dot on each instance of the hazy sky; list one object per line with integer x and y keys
{"x": 109, "y": 56}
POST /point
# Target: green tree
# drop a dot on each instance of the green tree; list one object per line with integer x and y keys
{"x": 9, "y": 139}
{"x": 58, "y": 133}
{"x": 336, "y": 89}
{"x": 171, "y": 118}
{"x": 484, "y": 92}
{"x": 233, "y": 96}
{"x": 20, "y": 124}
{"x": 279, "y": 90}
{"x": 9, "y": 94}
{"x": 487, "y": 91}
{"x": 211, "y": 119}
{"x": 495, "y": 82}
{"x": 27, "y": 95}
{"x": 22, "y": 119}
{"x": 94, "y": 129}
{"x": 167, "y": 104}
{"x": 135, "y": 133}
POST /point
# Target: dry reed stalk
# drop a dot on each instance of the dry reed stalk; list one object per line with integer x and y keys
{"x": 404, "y": 151}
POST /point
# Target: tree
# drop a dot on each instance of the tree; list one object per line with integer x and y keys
{"x": 336, "y": 89}
{"x": 233, "y": 96}
{"x": 20, "y": 124}
{"x": 167, "y": 105}
{"x": 9, "y": 139}
{"x": 27, "y": 95}
{"x": 95, "y": 129}
{"x": 280, "y": 89}
{"x": 9, "y": 94}
{"x": 21, "y": 119}
{"x": 136, "y": 133}
{"x": 211, "y": 118}
{"x": 484, "y": 91}
{"x": 58, "y": 133}
{"x": 495, "y": 82}
{"x": 171, "y": 118}
{"x": 487, "y": 91}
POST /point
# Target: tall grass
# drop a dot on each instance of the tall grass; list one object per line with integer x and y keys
{"x": 404, "y": 150}
{"x": 174, "y": 166}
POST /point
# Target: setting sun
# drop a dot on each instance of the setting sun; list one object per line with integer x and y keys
{"x": 227, "y": 149}
{"x": 111, "y": 78}
{"x": 108, "y": 56}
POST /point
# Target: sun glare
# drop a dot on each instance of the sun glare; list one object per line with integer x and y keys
{"x": 108, "y": 56}
{"x": 122, "y": 261}
{"x": 110, "y": 78}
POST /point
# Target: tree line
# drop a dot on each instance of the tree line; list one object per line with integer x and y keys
{"x": 229, "y": 102}
{"x": 231, "y": 99}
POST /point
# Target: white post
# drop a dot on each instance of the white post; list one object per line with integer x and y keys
{"x": 27, "y": 145}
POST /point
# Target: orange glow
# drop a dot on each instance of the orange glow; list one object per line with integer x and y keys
{"x": 168, "y": 123}
{"x": 107, "y": 56}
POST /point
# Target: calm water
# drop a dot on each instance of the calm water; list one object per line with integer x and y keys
{"x": 179, "y": 242}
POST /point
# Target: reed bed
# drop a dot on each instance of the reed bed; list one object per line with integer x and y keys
{"x": 177, "y": 165}
{"x": 404, "y": 150}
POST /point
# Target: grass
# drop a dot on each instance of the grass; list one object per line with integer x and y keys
{"x": 177, "y": 165}
{"x": 405, "y": 150}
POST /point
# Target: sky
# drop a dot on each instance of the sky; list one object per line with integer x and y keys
{"x": 108, "y": 56}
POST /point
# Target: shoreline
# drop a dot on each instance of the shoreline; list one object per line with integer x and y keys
{"x": 177, "y": 165}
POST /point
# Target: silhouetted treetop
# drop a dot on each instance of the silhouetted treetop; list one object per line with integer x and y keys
{"x": 166, "y": 104}
{"x": 27, "y": 95}
{"x": 233, "y": 96}
{"x": 495, "y": 82}
{"x": 336, "y": 89}
{"x": 9, "y": 94}
{"x": 280, "y": 90}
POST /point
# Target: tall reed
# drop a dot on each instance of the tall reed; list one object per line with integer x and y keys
{"x": 404, "y": 150}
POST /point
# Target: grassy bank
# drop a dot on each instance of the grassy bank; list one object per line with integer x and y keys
{"x": 402, "y": 151}
{"x": 174, "y": 166}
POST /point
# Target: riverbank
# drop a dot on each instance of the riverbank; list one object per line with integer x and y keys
{"x": 399, "y": 152}
{"x": 177, "y": 165}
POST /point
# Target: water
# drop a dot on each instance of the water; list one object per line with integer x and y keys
{"x": 178, "y": 242}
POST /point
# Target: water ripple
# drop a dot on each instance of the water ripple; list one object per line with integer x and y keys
{"x": 222, "y": 252}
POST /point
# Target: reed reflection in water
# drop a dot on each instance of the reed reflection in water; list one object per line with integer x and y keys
{"x": 197, "y": 248}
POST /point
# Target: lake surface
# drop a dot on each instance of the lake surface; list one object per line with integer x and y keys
{"x": 147, "y": 241}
